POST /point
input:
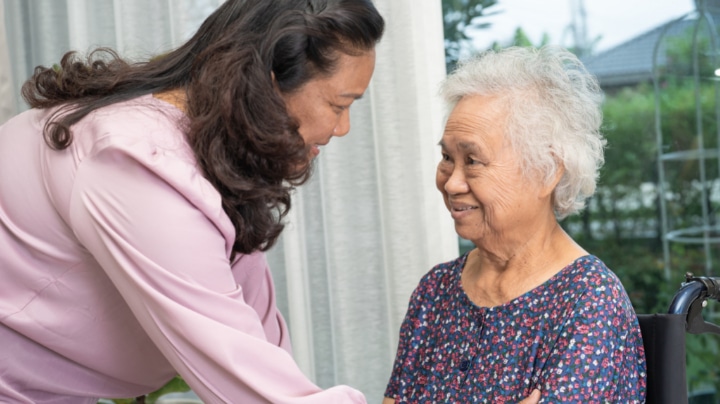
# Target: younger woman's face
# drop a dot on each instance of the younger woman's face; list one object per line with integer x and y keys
{"x": 322, "y": 105}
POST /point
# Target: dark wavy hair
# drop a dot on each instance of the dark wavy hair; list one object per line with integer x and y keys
{"x": 244, "y": 141}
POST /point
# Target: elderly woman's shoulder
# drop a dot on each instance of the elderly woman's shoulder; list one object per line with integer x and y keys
{"x": 443, "y": 276}
{"x": 590, "y": 267}
{"x": 591, "y": 274}
{"x": 452, "y": 267}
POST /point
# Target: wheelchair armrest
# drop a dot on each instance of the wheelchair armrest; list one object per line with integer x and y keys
{"x": 690, "y": 300}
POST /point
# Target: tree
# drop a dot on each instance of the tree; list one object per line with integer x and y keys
{"x": 458, "y": 17}
{"x": 520, "y": 38}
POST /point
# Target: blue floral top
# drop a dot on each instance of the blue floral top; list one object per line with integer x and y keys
{"x": 575, "y": 337}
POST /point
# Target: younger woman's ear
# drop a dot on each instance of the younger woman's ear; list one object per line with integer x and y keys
{"x": 274, "y": 81}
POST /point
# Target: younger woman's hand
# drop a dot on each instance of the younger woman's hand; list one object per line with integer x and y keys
{"x": 533, "y": 398}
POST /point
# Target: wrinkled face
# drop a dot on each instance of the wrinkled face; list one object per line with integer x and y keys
{"x": 480, "y": 176}
{"x": 322, "y": 105}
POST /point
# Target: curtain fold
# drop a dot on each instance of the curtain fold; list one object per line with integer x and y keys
{"x": 7, "y": 86}
{"x": 367, "y": 225}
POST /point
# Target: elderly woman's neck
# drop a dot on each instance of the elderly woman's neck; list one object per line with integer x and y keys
{"x": 491, "y": 278}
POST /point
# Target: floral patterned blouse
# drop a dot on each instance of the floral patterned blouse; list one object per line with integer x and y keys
{"x": 575, "y": 337}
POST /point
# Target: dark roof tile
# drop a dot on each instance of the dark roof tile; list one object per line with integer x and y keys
{"x": 632, "y": 61}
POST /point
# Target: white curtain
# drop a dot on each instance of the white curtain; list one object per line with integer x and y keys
{"x": 7, "y": 86}
{"x": 366, "y": 227}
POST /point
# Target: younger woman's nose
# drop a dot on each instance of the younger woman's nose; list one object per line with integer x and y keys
{"x": 343, "y": 126}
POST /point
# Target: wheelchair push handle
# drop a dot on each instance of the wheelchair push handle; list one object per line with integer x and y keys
{"x": 690, "y": 300}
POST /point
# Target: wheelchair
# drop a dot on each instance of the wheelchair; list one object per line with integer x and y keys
{"x": 664, "y": 338}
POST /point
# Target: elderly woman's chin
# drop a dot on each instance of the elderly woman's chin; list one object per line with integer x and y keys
{"x": 470, "y": 233}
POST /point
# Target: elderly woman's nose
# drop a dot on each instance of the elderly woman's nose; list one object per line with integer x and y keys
{"x": 456, "y": 182}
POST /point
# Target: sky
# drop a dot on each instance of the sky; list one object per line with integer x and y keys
{"x": 615, "y": 20}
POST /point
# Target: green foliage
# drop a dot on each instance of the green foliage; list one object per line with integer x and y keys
{"x": 683, "y": 51}
{"x": 459, "y": 16}
{"x": 176, "y": 385}
{"x": 629, "y": 128}
{"x": 520, "y": 38}
{"x": 702, "y": 362}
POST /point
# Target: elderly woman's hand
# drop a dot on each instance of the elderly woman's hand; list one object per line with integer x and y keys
{"x": 533, "y": 398}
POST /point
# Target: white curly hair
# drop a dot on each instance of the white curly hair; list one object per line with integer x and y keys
{"x": 554, "y": 114}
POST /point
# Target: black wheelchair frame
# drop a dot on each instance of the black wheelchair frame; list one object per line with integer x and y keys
{"x": 664, "y": 338}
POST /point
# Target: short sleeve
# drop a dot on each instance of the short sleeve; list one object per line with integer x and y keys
{"x": 598, "y": 356}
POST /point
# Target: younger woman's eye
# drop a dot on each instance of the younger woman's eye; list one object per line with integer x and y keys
{"x": 340, "y": 108}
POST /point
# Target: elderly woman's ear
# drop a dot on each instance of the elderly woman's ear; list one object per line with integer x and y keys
{"x": 552, "y": 180}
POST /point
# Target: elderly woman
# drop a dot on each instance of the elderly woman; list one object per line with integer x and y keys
{"x": 528, "y": 308}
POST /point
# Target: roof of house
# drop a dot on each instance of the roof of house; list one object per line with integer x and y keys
{"x": 632, "y": 61}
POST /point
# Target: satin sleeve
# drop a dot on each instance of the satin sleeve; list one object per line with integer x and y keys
{"x": 155, "y": 226}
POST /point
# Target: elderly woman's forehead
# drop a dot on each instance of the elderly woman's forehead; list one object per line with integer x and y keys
{"x": 470, "y": 131}
{"x": 467, "y": 146}
{"x": 480, "y": 103}
{"x": 477, "y": 110}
